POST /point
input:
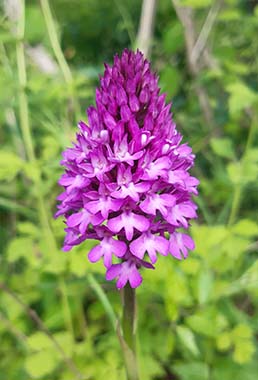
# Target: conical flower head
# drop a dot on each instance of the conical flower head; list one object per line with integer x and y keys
{"x": 126, "y": 178}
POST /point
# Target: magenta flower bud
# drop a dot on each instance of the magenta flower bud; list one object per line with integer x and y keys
{"x": 126, "y": 179}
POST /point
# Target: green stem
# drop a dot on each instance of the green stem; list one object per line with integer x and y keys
{"x": 128, "y": 321}
{"x": 129, "y": 332}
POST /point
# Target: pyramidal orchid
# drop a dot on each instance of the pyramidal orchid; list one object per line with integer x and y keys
{"x": 126, "y": 181}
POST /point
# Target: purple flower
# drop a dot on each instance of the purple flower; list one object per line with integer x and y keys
{"x": 126, "y": 180}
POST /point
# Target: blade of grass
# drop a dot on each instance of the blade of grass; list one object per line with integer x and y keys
{"x": 104, "y": 300}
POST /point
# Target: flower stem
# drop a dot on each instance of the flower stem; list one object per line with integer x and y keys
{"x": 129, "y": 332}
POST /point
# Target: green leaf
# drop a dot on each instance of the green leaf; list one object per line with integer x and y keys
{"x": 27, "y": 228}
{"x": 39, "y": 341}
{"x": 65, "y": 340}
{"x": 173, "y": 38}
{"x": 56, "y": 263}
{"x": 223, "y": 147}
{"x": 249, "y": 280}
{"x": 234, "y": 246}
{"x": 190, "y": 266}
{"x": 242, "y": 331}
{"x": 41, "y": 364}
{"x": 240, "y": 97}
{"x": 170, "y": 79}
{"x": 223, "y": 341}
{"x": 205, "y": 285}
{"x": 243, "y": 351}
{"x": 208, "y": 239}
{"x": 18, "y": 248}
{"x": 226, "y": 369}
{"x": 245, "y": 227}
{"x": 203, "y": 324}
{"x": 242, "y": 173}
{"x": 31, "y": 170}
{"x": 195, "y": 3}
{"x": 187, "y": 337}
{"x": 192, "y": 370}
{"x": 10, "y": 165}
{"x": 78, "y": 264}
{"x": 230, "y": 15}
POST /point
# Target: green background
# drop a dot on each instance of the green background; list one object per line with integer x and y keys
{"x": 197, "y": 319}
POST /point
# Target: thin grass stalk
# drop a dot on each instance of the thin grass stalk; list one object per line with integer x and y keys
{"x": 28, "y": 142}
{"x": 63, "y": 65}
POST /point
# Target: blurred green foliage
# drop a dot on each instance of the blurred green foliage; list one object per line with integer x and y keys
{"x": 197, "y": 319}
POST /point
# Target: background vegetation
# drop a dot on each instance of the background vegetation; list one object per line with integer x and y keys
{"x": 198, "y": 318}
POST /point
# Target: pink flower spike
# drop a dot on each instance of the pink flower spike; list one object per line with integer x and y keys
{"x": 126, "y": 179}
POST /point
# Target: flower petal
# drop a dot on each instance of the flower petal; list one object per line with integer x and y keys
{"x": 113, "y": 271}
{"x": 95, "y": 253}
{"x": 135, "y": 279}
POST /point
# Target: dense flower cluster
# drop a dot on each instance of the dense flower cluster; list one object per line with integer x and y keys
{"x": 126, "y": 179}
